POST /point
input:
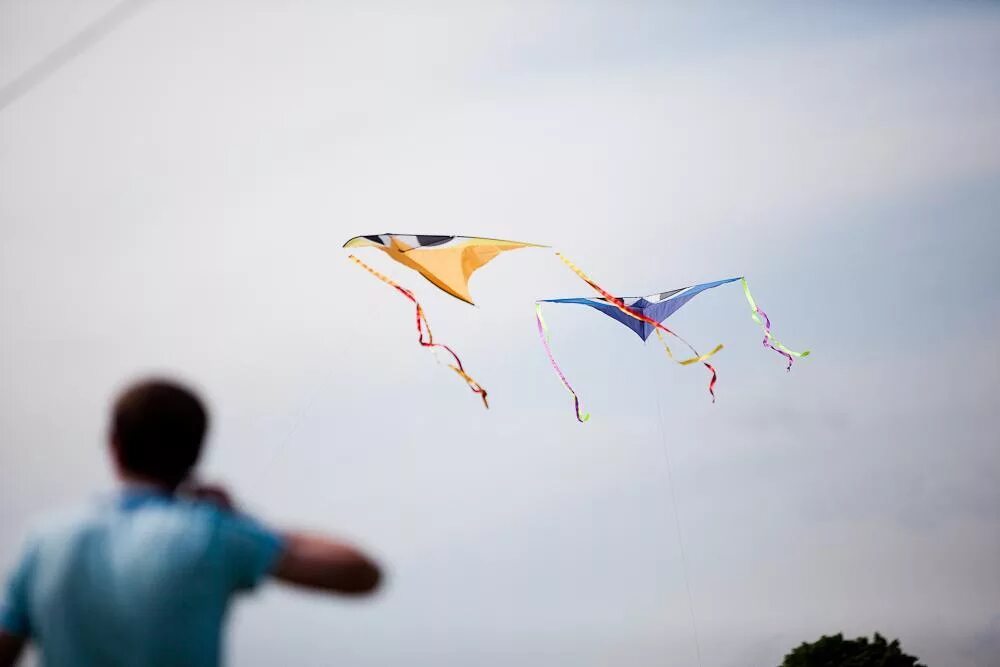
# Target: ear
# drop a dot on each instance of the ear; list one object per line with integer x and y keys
{"x": 115, "y": 450}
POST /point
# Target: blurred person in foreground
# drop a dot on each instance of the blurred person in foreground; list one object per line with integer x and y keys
{"x": 144, "y": 579}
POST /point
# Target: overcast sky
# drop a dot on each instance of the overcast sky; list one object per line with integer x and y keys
{"x": 174, "y": 200}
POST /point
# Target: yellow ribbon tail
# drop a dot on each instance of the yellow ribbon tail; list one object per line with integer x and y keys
{"x": 693, "y": 360}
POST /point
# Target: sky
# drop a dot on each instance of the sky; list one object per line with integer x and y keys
{"x": 174, "y": 199}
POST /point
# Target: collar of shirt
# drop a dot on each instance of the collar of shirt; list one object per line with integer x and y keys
{"x": 135, "y": 494}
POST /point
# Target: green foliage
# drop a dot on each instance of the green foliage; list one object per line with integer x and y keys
{"x": 836, "y": 651}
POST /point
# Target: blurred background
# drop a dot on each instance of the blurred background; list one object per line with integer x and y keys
{"x": 177, "y": 178}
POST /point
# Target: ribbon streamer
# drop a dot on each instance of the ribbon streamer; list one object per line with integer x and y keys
{"x": 694, "y": 360}
{"x": 543, "y": 333}
{"x": 761, "y": 318}
{"x": 423, "y": 326}
{"x": 620, "y": 305}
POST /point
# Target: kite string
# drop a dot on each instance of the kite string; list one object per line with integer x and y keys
{"x": 658, "y": 326}
{"x": 424, "y": 326}
{"x": 677, "y": 528}
{"x": 66, "y": 52}
{"x": 761, "y": 318}
{"x": 543, "y": 333}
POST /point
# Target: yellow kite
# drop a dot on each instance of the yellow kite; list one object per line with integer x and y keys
{"x": 446, "y": 261}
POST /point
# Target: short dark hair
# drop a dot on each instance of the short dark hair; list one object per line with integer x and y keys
{"x": 157, "y": 428}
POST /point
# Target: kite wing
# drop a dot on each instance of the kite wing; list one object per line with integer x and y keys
{"x": 657, "y": 307}
{"x": 446, "y": 261}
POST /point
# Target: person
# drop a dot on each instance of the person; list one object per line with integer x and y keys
{"x": 144, "y": 579}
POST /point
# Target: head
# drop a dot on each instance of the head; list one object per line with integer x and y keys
{"x": 157, "y": 428}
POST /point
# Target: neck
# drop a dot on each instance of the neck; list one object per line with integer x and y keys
{"x": 133, "y": 482}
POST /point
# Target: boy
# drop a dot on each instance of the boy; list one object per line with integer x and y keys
{"x": 144, "y": 579}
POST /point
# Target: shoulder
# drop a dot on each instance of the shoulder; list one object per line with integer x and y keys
{"x": 208, "y": 514}
{"x": 66, "y": 523}
{"x": 249, "y": 548}
{"x": 107, "y": 519}
{"x": 53, "y": 534}
{"x": 231, "y": 528}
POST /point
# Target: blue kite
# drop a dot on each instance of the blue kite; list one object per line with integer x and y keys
{"x": 645, "y": 315}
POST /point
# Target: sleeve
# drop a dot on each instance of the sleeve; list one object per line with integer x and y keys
{"x": 250, "y": 550}
{"x": 14, "y": 618}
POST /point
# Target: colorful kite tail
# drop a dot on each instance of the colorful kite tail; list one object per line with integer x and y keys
{"x": 694, "y": 360}
{"x": 761, "y": 318}
{"x": 658, "y": 326}
{"x": 424, "y": 335}
{"x": 543, "y": 333}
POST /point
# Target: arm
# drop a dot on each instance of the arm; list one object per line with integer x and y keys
{"x": 319, "y": 563}
{"x": 15, "y": 624}
{"x": 11, "y": 647}
{"x": 301, "y": 559}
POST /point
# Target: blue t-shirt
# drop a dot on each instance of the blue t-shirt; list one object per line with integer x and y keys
{"x": 140, "y": 581}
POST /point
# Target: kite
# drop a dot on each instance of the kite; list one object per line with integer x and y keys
{"x": 447, "y": 262}
{"x": 644, "y": 315}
